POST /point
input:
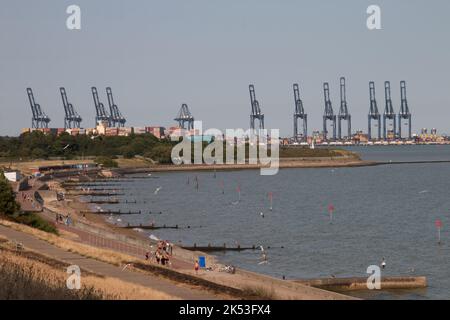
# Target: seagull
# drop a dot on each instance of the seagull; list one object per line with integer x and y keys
{"x": 423, "y": 191}
{"x": 149, "y": 174}
{"x": 157, "y": 190}
{"x": 263, "y": 256}
{"x": 261, "y": 214}
{"x": 119, "y": 220}
{"x": 383, "y": 263}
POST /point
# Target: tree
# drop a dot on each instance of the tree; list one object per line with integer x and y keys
{"x": 8, "y": 204}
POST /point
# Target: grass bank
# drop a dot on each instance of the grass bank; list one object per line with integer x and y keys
{"x": 27, "y": 275}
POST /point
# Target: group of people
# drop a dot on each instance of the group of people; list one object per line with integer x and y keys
{"x": 67, "y": 220}
{"x": 164, "y": 251}
{"x": 30, "y": 199}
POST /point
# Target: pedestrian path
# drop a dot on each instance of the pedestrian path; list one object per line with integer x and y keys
{"x": 106, "y": 269}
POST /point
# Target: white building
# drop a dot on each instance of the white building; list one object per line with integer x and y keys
{"x": 13, "y": 176}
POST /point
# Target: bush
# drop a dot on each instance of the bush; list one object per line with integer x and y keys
{"x": 160, "y": 153}
{"x": 107, "y": 162}
{"x": 8, "y": 204}
{"x": 35, "y": 221}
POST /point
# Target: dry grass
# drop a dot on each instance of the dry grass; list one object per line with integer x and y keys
{"x": 259, "y": 292}
{"x": 24, "y": 278}
{"x": 132, "y": 163}
{"x": 104, "y": 255}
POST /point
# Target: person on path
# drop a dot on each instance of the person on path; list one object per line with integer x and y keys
{"x": 196, "y": 266}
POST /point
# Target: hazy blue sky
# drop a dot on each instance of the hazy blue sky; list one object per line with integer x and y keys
{"x": 157, "y": 55}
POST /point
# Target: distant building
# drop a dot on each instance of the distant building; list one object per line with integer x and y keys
{"x": 13, "y": 176}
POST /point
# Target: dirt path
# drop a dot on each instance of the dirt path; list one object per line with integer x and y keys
{"x": 106, "y": 269}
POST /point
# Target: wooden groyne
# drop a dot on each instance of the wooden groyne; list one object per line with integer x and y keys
{"x": 96, "y": 194}
{"x": 154, "y": 227}
{"x": 360, "y": 283}
{"x": 211, "y": 248}
{"x": 103, "y": 202}
{"x": 150, "y": 227}
{"x": 119, "y": 212}
{"x": 68, "y": 186}
{"x": 93, "y": 189}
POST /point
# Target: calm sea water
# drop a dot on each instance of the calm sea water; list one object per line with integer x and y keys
{"x": 384, "y": 211}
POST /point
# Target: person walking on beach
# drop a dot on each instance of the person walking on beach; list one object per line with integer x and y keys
{"x": 196, "y": 266}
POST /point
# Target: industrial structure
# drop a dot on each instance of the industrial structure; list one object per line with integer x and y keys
{"x": 39, "y": 119}
{"x": 71, "y": 118}
{"x": 184, "y": 116}
{"x": 299, "y": 113}
{"x": 389, "y": 113}
{"x": 343, "y": 112}
{"x": 404, "y": 111}
{"x": 110, "y": 122}
{"x": 328, "y": 114}
{"x": 373, "y": 112}
{"x": 256, "y": 110}
{"x": 116, "y": 118}
{"x": 101, "y": 115}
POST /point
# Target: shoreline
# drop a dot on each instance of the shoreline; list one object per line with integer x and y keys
{"x": 183, "y": 259}
{"x": 284, "y": 164}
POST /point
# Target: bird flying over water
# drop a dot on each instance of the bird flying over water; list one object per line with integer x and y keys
{"x": 157, "y": 190}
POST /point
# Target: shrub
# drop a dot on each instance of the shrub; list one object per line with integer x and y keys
{"x": 35, "y": 221}
{"x": 106, "y": 162}
{"x": 8, "y": 204}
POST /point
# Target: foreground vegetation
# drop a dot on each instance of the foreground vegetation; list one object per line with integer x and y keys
{"x": 28, "y": 275}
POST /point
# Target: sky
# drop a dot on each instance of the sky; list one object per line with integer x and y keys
{"x": 157, "y": 55}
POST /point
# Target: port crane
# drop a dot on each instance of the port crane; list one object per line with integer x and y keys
{"x": 256, "y": 110}
{"x": 299, "y": 114}
{"x": 388, "y": 110}
{"x": 184, "y": 116}
{"x": 343, "y": 112}
{"x": 328, "y": 114}
{"x": 39, "y": 119}
{"x": 373, "y": 112}
{"x": 404, "y": 111}
{"x": 101, "y": 113}
{"x": 71, "y": 119}
{"x": 116, "y": 118}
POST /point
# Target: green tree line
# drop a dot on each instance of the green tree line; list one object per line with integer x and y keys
{"x": 37, "y": 145}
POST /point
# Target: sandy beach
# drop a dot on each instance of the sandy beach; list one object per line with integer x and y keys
{"x": 182, "y": 260}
